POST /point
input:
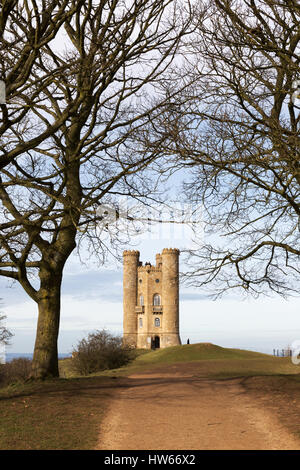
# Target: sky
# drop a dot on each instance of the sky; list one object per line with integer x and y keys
{"x": 92, "y": 300}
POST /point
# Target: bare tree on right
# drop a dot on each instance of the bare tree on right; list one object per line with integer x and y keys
{"x": 237, "y": 129}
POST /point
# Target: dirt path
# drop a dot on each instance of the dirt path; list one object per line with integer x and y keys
{"x": 178, "y": 411}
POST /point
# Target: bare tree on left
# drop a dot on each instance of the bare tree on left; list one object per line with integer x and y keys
{"x": 25, "y": 28}
{"x": 67, "y": 136}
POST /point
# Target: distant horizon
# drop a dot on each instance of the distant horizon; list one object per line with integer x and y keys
{"x": 260, "y": 350}
{"x": 26, "y": 355}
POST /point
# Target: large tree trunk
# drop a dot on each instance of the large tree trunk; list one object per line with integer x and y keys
{"x": 45, "y": 358}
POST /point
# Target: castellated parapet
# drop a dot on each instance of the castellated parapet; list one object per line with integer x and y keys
{"x": 151, "y": 300}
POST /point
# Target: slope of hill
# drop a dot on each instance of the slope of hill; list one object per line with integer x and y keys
{"x": 196, "y": 352}
{"x": 210, "y": 360}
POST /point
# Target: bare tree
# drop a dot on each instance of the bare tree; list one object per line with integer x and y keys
{"x": 237, "y": 131}
{"x": 105, "y": 88}
{"x": 5, "y": 334}
{"x": 25, "y": 28}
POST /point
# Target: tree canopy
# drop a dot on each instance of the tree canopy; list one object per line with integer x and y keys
{"x": 236, "y": 132}
{"x": 68, "y": 143}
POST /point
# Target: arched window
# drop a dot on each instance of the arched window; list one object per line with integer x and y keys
{"x": 157, "y": 321}
{"x": 141, "y": 299}
{"x": 156, "y": 299}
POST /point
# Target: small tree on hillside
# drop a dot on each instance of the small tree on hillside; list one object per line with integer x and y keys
{"x": 99, "y": 351}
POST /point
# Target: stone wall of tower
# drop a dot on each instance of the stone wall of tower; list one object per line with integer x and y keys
{"x": 149, "y": 284}
{"x": 170, "y": 297}
{"x": 130, "y": 266}
{"x": 144, "y": 323}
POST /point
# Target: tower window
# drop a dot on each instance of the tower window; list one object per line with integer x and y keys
{"x": 141, "y": 299}
{"x": 156, "y": 299}
{"x": 157, "y": 280}
{"x": 157, "y": 321}
{"x": 141, "y": 323}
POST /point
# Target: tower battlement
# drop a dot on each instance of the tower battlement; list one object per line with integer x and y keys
{"x": 151, "y": 300}
{"x": 148, "y": 268}
{"x": 171, "y": 251}
{"x": 135, "y": 253}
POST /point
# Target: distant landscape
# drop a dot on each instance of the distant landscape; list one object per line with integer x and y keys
{"x": 10, "y": 356}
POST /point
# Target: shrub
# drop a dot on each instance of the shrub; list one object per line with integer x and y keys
{"x": 18, "y": 370}
{"x": 99, "y": 351}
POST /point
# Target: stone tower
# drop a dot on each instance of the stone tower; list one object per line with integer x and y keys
{"x": 151, "y": 300}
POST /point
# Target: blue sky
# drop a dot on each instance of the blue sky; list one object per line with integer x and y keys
{"x": 92, "y": 300}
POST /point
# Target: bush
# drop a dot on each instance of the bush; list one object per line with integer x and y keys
{"x": 99, "y": 351}
{"x": 18, "y": 370}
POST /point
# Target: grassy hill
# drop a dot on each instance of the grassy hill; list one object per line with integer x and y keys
{"x": 206, "y": 359}
{"x": 196, "y": 352}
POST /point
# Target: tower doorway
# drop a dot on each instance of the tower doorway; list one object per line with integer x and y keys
{"x": 156, "y": 342}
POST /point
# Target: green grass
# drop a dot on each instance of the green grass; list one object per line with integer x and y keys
{"x": 206, "y": 359}
{"x": 195, "y": 352}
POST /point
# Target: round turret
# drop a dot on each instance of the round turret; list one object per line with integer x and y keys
{"x": 170, "y": 296}
{"x": 131, "y": 253}
{"x": 130, "y": 265}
